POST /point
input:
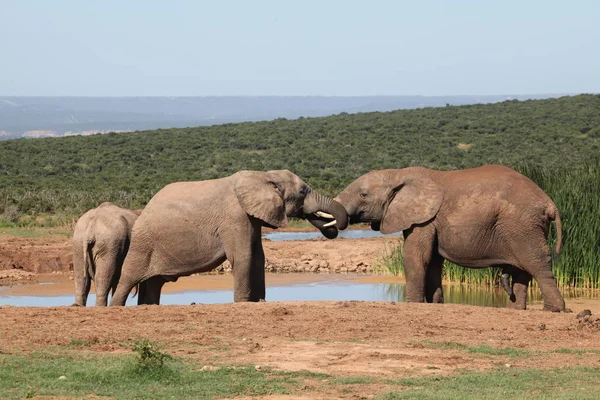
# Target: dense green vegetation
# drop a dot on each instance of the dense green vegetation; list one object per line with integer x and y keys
{"x": 556, "y": 142}
{"x": 73, "y": 174}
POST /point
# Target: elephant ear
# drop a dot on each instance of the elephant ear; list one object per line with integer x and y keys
{"x": 261, "y": 198}
{"x": 416, "y": 200}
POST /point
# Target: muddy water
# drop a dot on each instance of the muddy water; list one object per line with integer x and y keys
{"x": 211, "y": 289}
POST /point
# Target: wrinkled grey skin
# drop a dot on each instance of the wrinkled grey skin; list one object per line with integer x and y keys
{"x": 191, "y": 227}
{"x": 477, "y": 218}
{"x": 100, "y": 242}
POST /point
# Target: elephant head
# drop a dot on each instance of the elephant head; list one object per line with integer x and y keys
{"x": 274, "y": 196}
{"x": 392, "y": 200}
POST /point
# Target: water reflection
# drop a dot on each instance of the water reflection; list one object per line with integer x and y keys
{"x": 456, "y": 294}
{"x": 316, "y": 291}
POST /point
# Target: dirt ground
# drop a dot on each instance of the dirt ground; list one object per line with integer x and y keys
{"x": 342, "y": 339}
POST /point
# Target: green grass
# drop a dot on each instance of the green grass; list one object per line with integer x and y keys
{"x": 391, "y": 260}
{"x": 508, "y": 383}
{"x": 132, "y": 377}
{"x": 577, "y": 351}
{"x": 482, "y": 349}
{"x": 34, "y": 231}
{"x": 354, "y": 381}
{"x": 122, "y": 378}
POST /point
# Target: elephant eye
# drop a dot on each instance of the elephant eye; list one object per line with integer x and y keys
{"x": 276, "y": 187}
{"x": 363, "y": 195}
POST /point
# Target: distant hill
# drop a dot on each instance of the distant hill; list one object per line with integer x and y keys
{"x": 75, "y": 173}
{"x": 63, "y": 116}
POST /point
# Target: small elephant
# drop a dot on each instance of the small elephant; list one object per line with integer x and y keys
{"x": 479, "y": 217}
{"x": 100, "y": 242}
{"x": 191, "y": 227}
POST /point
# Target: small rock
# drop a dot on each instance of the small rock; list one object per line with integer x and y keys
{"x": 209, "y": 368}
{"x": 62, "y": 377}
{"x": 542, "y": 327}
{"x": 584, "y": 313}
{"x": 257, "y": 367}
{"x": 193, "y": 303}
{"x": 507, "y": 365}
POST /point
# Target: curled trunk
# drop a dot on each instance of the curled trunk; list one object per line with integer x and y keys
{"x": 316, "y": 202}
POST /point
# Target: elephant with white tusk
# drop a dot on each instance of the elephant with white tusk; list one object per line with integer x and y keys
{"x": 100, "y": 243}
{"x": 479, "y": 217}
{"x": 191, "y": 227}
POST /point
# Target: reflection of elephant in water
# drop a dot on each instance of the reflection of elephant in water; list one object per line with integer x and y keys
{"x": 100, "y": 242}
{"x": 191, "y": 227}
{"x": 480, "y": 217}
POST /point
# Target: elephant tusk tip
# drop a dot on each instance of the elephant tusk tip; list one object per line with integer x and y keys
{"x": 332, "y": 223}
{"x": 324, "y": 215}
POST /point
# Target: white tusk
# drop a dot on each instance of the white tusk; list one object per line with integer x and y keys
{"x": 330, "y": 224}
{"x": 324, "y": 215}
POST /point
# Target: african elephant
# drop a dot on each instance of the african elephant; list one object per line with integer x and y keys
{"x": 479, "y": 217}
{"x": 100, "y": 242}
{"x": 191, "y": 227}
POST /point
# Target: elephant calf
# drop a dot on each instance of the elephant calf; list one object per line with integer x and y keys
{"x": 100, "y": 243}
{"x": 190, "y": 227}
{"x": 479, "y": 217}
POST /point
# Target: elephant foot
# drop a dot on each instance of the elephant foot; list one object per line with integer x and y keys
{"x": 516, "y": 306}
{"x": 556, "y": 309}
{"x": 77, "y": 305}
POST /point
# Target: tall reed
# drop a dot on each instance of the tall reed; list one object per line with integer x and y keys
{"x": 576, "y": 193}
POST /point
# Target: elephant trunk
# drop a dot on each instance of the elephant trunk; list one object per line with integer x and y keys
{"x": 315, "y": 202}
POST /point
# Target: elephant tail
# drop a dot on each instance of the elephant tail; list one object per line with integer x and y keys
{"x": 88, "y": 259}
{"x": 553, "y": 215}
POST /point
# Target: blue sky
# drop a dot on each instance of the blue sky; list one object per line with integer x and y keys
{"x": 326, "y": 47}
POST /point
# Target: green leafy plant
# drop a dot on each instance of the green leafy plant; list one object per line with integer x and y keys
{"x": 149, "y": 355}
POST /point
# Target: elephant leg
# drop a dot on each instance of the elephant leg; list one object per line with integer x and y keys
{"x": 553, "y": 299}
{"x": 135, "y": 266}
{"x": 520, "y": 286}
{"x": 258, "y": 271}
{"x": 103, "y": 280}
{"x": 433, "y": 286}
{"x": 538, "y": 262}
{"x": 150, "y": 289}
{"x": 417, "y": 254}
{"x": 82, "y": 287}
{"x": 246, "y": 265}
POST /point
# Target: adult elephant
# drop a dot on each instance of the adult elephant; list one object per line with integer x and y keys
{"x": 100, "y": 242}
{"x": 480, "y": 217}
{"x": 191, "y": 227}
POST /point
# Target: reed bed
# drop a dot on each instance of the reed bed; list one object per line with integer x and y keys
{"x": 576, "y": 193}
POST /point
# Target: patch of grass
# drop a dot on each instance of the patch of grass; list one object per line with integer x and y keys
{"x": 483, "y": 349}
{"x": 149, "y": 356}
{"x": 305, "y": 374}
{"x": 391, "y": 260}
{"x": 121, "y": 377}
{"x": 82, "y": 343}
{"x": 33, "y": 232}
{"x": 563, "y": 383}
{"x": 354, "y": 381}
{"x": 576, "y": 351}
